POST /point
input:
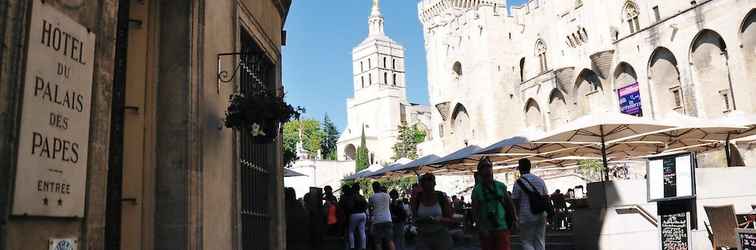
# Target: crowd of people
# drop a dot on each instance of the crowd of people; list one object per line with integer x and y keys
{"x": 386, "y": 220}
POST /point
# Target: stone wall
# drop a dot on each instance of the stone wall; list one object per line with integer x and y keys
{"x": 692, "y": 59}
{"x": 20, "y": 232}
{"x": 612, "y": 227}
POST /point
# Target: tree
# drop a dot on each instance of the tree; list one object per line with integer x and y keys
{"x": 330, "y": 138}
{"x": 406, "y": 145}
{"x": 311, "y": 137}
{"x": 591, "y": 169}
{"x": 363, "y": 160}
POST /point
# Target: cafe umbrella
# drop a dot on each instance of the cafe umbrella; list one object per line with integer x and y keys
{"x": 292, "y": 173}
{"x": 381, "y": 172}
{"x": 600, "y": 128}
{"x": 365, "y": 172}
{"x": 403, "y": 169}
{"x": 696, "y": 134}
{"x": 455, "y": 157}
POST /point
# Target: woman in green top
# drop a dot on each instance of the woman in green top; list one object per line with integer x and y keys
{"x": 493, "y": 209}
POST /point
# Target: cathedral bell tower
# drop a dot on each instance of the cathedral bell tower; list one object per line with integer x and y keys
{"x": 380, "y": 99}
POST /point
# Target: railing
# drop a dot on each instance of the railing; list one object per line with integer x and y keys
{"x": 635, "y": 209}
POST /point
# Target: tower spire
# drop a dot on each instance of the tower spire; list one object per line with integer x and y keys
{"x": 375, "y": 21}
{"x": 376, "y": 11}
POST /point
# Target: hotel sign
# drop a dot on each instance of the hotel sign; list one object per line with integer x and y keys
{"x": 53, "y": 143}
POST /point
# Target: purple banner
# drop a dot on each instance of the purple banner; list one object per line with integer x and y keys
{"x": 630, "y": 100}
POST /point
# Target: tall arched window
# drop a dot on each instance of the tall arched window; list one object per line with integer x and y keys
{"x": 362, "y": 68}
{"x": 363, "y": 80}
{"x": 541, "y": 53}
{"x": 394, "y": 79}
{"x": 393, "y": 63}
{"x": 370, "y": 79}
{"x": 385, "y": 78}
{"x": 369, "y": 64}
{"x": 384, "y": 62}
{"x": 631, "y": 16}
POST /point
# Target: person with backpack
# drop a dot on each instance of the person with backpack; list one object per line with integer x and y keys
{"x": 433, "y": 213}
{"x": 531, "y": 197}
{"x": 493, "y": 210}
{"x": 398, "y": 218}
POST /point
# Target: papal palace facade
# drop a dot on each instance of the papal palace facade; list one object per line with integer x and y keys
{"x": 494, "y": 71}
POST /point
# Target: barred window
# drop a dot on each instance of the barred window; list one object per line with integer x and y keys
{"x": 256, "y": 161}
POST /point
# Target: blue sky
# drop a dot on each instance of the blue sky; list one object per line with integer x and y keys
{"x": 317, "y": 58}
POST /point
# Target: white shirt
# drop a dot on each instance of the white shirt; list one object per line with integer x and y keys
{"x": 524, "y": 207}
{"x": 381, "y": 207}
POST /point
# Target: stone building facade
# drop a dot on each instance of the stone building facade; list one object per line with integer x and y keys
{"x": 494, "y": 71}
{"x": 162, "y": 171}
{"x": 379, "y": 104}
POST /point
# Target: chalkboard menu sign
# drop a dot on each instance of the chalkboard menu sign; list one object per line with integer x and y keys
{"x": 674, "y": 231}
{"x": 671, "y": 177}
{"x": 746, "y": 239}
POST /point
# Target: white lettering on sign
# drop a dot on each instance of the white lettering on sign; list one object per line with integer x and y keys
{"x": 54, "y": 133}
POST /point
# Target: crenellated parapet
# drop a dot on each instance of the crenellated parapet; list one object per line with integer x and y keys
{"x": 432, "y": 8}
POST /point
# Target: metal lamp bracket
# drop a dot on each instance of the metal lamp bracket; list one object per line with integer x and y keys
{"x": 223, "y": 75}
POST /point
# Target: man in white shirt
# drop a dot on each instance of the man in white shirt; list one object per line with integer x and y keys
{"x": 383, "y": 229}
{"x": 532, "y": 226}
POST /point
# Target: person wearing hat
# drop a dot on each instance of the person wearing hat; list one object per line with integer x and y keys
{"x": 433, "y": 213}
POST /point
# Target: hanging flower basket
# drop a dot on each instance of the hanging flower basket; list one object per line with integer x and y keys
{"x": 260, "y": 112}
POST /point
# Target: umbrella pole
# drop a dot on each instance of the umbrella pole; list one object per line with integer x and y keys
{"x": 606, "y": 166}
{"x": 603, "y": 155}
{"x": 727, "y": 151}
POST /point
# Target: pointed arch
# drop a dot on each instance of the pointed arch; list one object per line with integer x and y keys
{"x": 461, "y": 126}
{"x": 558, "y": 113}
{"x": 749, "y": 20}
{"x": 458, "y": 110}
{"x": 533, "y": 115}
{"x": 667, "y": 94}
{"x": 624, "y": 74}
{"x": 589, "y": 94}
{"x": 711, "y": 74}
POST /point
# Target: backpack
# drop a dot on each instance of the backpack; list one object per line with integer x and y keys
{"x": 538, "y": 203}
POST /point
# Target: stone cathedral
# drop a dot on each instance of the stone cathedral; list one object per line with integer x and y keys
{"x": 379, "y": 104}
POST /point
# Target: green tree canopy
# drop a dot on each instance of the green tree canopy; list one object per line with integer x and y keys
{"x": 311, "y": 137}
{"x": 406, "y": 145}
{"x": 330, "y": 138}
